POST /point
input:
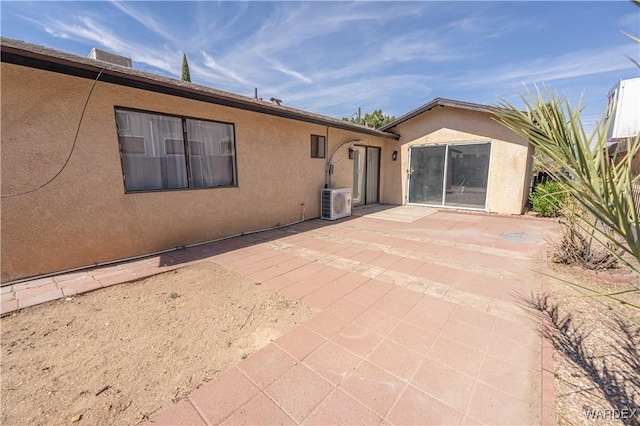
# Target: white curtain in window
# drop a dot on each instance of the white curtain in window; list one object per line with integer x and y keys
{"x": 211, "y": 153}
{"x": 162, "y": 165}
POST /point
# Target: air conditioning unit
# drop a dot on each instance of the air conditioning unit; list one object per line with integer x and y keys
{"x": 335, "y": 203}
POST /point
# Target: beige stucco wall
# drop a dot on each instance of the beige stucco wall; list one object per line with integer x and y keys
{"x": 510, "y": 164}
{"x": 84, "y": 217}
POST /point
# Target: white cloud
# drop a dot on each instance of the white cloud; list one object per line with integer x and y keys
{"x": 630, "y": 21}
{"x": 570, "y": 65}
{"x": 87, "y": 30}
{"x": 333, "y": 56}
{"x": 421, "y": 46}
{"x": 143, "y": 18}
{"x": 278, "y": 66}
{"x": 345, "y": 98}
{"x": 211, "y": 63}
{"x": 55, "y": 33}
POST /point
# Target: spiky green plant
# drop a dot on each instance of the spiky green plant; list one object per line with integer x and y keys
{"x": 603, "y": 187}
{"x": 632, "y": 37}
{"x": 548, "y": 199}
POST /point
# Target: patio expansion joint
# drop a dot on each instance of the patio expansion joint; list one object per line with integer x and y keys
{"x": 362, "y": 359}
{"x": 196, "y": 409}
{"x": 464, "y": 411}
{"x": 445, "y": 243}
{"x": 411, "y": 377}
{"x": 340, "y": 388}
{"x": 432, "y": 288}
{"x": 425, "y": 257}
{"x": 262, "y": 391}
{"x": 405, "y": 381}
{"x": 475, "y": 381}
{"x": 406, "y": 386}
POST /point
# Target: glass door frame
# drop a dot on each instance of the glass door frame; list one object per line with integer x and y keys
{"x": 363, "y": 179}
{"x": 444, "y": 181}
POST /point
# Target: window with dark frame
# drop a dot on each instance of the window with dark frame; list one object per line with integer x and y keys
{"x": 161, "y": 152}
{"x": 318, "y": 146}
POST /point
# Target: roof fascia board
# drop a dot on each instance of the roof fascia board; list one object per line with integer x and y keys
{"x": 438, "y": 102}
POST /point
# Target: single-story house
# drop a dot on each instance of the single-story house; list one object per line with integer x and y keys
{"x": 453, "y": 154}
{"x": 102, "y": 162}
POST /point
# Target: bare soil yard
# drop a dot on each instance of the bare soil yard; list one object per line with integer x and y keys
{"x": 596, "y": 352}
{"x": 117, "y": 355}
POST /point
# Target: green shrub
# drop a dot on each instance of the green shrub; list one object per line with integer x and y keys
{"x": 548, "y": 199}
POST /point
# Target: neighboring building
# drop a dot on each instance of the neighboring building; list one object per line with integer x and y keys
{"x": 144, "y": 163}
{"x": 623, "y": 109}
{"x": 624, "y": 106}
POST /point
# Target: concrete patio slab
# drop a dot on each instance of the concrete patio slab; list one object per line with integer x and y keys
{"x": 405, "y": 214}
{"x": 421, "y": 321}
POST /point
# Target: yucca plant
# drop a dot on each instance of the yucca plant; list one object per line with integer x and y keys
{"x": 604, "y": 188}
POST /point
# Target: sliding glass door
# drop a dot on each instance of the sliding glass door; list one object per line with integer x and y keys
{"x": 450, "y": 175}
{"x": 426, "y": 174}
{"x": 366, "y": 175}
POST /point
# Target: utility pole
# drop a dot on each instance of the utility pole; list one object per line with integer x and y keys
{"x": 359, "y": 114}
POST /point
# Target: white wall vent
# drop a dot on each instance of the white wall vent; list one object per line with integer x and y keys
{"x": 335, "y": 203}
{"x": 112, "y": 58}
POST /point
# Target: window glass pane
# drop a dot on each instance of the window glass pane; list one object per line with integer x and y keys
{"x": 145, "y": 161}
{"x": 357, "y": 194}
{"x": 196, "y": 148}
{"x": 174, "y": 146}
{"x": 132, "y": 145}
{"x": 467, "y": 175}
{"x": 373, "y": 173}
{"x": 211, "y": 153}
{"x": 122, "y": 121}
{"x": 318, "y": 145}
{"x": 426, "y": 174}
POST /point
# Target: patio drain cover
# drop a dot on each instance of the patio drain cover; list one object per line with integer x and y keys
{"x": 517, "y": 236}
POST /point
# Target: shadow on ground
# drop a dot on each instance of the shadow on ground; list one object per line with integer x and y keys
{"x": 613, "y": 368}
{"x": 247, "y": 239}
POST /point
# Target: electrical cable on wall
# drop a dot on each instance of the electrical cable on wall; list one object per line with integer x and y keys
{"x": 75, "y": 140}
{"x": 341, "y": 158}
{"x": 329, "y": 165}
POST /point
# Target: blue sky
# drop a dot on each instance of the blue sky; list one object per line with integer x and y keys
{"x": 333, "y": 57}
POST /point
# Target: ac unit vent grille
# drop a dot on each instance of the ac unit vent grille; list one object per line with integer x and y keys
{"x": 335, "y": 203}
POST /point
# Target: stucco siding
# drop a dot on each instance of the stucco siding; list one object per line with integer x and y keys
{"x": 85, "y": 217}
{"x": 510, "y": 164}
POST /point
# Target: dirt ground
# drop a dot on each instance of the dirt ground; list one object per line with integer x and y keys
{"x": 596, "y": 352}
{"x": 117, "y": 355}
